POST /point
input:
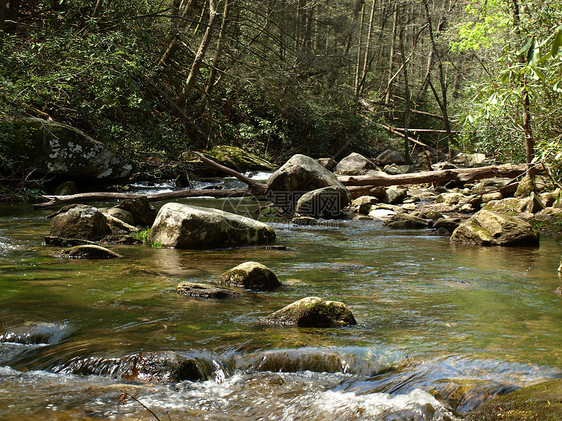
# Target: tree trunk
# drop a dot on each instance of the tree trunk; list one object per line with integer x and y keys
{"x": 366, "y": 61}
{"x": 175, "y": 25}
{"x": 199, "y": 56}
{"x": 12, "y": 14}
{"x": 214, "y": 61}
{"x": 359, "y": 50}
{"x": 391, "y": 58}
{"x": 407, "y": 113}
{"x": 97, "y": 9}
{"x": 3, "y": 10}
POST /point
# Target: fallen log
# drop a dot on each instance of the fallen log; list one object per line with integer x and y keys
{"x": 254, "y": 189}
{"x": 461, "y": 175}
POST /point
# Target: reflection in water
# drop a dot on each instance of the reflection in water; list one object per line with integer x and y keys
{"x": 435, "y": 321}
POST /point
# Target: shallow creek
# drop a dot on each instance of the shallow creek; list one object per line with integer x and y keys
{"x": 441, "y": 328}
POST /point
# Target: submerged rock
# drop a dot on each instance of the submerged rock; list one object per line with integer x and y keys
{"x": 493, "y": 229}
{"x": 89, "y": 252}
{"x": 36, "y": 333}
{"x": 164, "y": 366}
{"x": 65, "y": 242}
{"x": 540, "y": 402}
{"x": 195, "y": 227}
{"x": 406, "y": 220}
{"x": 191, "y": 289}
{"x": 79, "y": 221}
{"x": 119, "y": 239}
{"x": 312, "y": 312}
{"x": 250, "y": 275}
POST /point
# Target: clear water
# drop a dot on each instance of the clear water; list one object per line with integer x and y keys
{"x": 441, "y": 327}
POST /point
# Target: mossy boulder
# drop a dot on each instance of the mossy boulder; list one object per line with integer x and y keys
{"x": 233, "y": 157}
{"x": 510, "y": 206}
{"x": 250, "y": 275}
{"x": 59, "y": 149}
{"x": 79, "y": 221}
{"x": 196, "y": 227}
{"x": 540, "y": 402}
{"x": 406, "y": 220}
{"x": 89, "y": 252}
{"x": 493, "y": 229}
{"x": 312, "y": 312}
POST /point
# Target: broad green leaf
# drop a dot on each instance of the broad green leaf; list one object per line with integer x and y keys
{"x": 531, "y": 52}
{"x": 524, "y": 50}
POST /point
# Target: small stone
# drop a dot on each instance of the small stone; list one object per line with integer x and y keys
{"x": 191, "y": 289}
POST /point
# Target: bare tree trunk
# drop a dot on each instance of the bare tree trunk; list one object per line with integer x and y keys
{"x": 214, "y": 61}
{"x": 359, "y": 50}
{"x": 175, "y": 25}
{"x": 97, "y": 9}
{"x": 199, "y": 56}
{"x": 407, "y": 113}
{"x": 358, "y": 8}
{"x": 391, "y": 58}
{"x": 13, "y": 14}
{"x": 367, "y": 48}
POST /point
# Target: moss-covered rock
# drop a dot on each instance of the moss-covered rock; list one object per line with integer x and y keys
{"x": 232, "y": 157}
{"x": 406, "y": 220}
{"x": 540, "y": 402}
{"x": 89, "y": 252}
{"x": 196, "y": 227}
{"x": 250, "y": 275}
{"x": 56, "y": 148}
{"x": 312, "y": 312}
{"x": 143, "y": 212}
{"x": 493, "y": 229}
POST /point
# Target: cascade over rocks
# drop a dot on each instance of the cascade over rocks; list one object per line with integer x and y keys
{"x": 250, "y": 275}
{"x": 299, "y": 175}
{"x": 196, "y": 227}
{"x": 488, "y": 228}
{"x": 59, "y": 149}
{"x": 312, "y": 312}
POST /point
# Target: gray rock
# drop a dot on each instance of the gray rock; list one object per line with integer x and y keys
{"x": 394, "y": 169}
{"x": 395, "y": 195}
{"x": 327, "y": 163}
{"x": 143, "y": 212}
{"x": 250, "y": 275}
{"x": 405, "y": 220}
{"x": 312, "y": 312}
{"x": 88, "y": 252}
{"x": 390, "y": 157}
{"x": 493, "y": 229}
{"x": 195, "y": 227}
{"x": 327, "y": 202}
{"x": 297, "y": 176}
{"x": 121, "y": 214}
{"x": 354, "y": 164}
{"x": 190, "y": 289}
{"x": 450, "y": 224}
{"x": 488, "y": 197}
{"x": 79, "y": 221}
{"x": 363, "y": 204}
{"x": 57, "y": 148}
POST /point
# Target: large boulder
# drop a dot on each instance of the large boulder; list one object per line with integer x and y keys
{"x": 312, "y": 312}
{"x": 389, "y": 156}
{"x": 195, "y": 227}
{"x": 539, "y": 402}
{"x": 79, "y": 221}
{"x": 250, "y": 275}
{"x": 326, "y": 202}
{"x": 232, "y": 157}
{"x": 59, "y": 149}
{"x": 299, "y": 175}
{"x": 493, "y": 229}
{"x": 354, "y": 164}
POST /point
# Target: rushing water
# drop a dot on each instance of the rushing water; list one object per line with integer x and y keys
{"x": 441, "y": 327}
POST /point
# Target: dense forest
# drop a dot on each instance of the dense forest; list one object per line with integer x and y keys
{"x": 159, "y": 78}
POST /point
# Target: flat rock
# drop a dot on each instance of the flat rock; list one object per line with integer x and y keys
{"x": 312, "y": 312}
{"x": 89, "y": 252}
{"x": 190, "y": 289}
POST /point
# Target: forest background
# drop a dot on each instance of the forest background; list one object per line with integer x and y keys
{"x": 276, "y": 77}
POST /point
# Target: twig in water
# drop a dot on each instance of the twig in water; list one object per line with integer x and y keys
{"x": 125, "y": 394}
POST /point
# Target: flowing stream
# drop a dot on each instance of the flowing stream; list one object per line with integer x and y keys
{"x": 441, "y": 328}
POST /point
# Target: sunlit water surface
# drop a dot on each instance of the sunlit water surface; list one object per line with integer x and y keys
{"x": 441, "y": 327}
